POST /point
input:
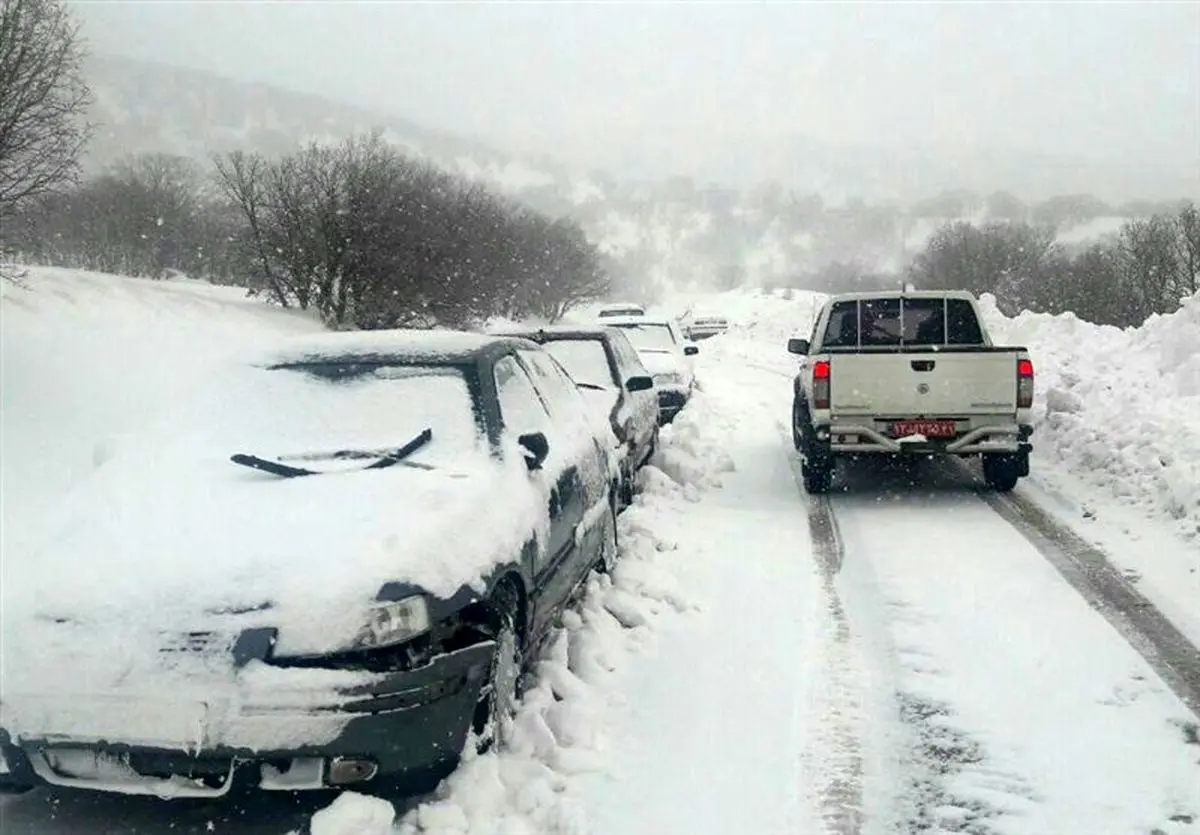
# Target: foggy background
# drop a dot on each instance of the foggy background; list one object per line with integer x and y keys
{"x": 728, "y": 92}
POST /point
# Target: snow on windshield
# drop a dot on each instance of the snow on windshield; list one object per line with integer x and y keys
{"x": 649, "y": 337}
{"x": 584, "y": 359}
{"x": 391, "y": 405}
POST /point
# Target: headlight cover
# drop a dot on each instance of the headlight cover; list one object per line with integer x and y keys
{"x": 393, "y": 622}
{"x": 387, "y": 623}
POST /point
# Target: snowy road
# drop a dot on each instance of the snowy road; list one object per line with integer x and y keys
{"x": 940, "y": 673}
{"x": 898, "y": 658}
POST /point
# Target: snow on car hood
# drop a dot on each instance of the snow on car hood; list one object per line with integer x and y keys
{"x": 170, "y": 537}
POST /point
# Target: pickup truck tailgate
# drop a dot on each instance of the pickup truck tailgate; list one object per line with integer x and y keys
{"x": 924, "y": 384}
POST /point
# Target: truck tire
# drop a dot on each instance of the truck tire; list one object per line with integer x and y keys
{"x": 1002, "y": 472}
{"x": 797, "y": 415}
{"x": 818, "y": 476}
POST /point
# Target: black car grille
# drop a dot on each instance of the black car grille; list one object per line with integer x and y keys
{"x": 197, "y": 642}
{"x": 671, "y": 399}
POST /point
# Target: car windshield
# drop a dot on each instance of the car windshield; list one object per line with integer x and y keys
{"x": 298, "y": 414}
{"x": 584, "y": 359}
{"x": 649, "y": 337}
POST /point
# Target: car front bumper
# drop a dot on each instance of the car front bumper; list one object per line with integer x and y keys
{"x": 406, "y": 729}
{"x": 671, "y": 401}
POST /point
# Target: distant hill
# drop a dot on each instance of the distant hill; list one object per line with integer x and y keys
{"x": 818, "y": 203}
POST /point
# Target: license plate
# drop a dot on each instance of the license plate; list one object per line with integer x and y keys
{"x": 928, "y": 428}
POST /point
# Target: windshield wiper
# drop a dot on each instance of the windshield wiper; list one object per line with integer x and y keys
{"x": 382, "y": 458}
{"x": 591, "y": 386}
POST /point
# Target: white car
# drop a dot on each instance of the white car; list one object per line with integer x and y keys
{"x": 703, "y": 327}
{"x": 667, "y": 356}
{"x": 620, "y": 309}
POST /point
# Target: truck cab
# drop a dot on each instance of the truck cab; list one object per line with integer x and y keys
{"x": 908, "y": 373}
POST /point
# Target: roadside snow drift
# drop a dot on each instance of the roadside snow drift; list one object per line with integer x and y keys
{"x": 86, "y": 359}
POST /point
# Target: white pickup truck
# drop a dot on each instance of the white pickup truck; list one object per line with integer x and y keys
{"x": 910, "y": 373}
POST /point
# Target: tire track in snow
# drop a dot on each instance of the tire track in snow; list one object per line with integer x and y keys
{"x": 1087, "y": 569}
{"x": 838, "y": 786}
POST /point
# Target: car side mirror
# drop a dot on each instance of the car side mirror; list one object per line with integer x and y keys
{"x": 691, "y": 350}
{"x": 797, "y": 346}
{"x": 535, "y": 446}
{"x": 639, "y": 383}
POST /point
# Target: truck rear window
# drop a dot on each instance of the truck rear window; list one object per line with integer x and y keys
{"x": 895, "y": 322}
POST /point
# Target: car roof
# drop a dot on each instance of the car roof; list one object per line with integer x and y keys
{"x": 619, "y": 305}
{"x": 618, "y": 321}
{"x": 562, "y": 332}
{"x": 434, "y": 347}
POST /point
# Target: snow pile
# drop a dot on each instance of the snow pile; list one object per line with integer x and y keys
{"x": 354, "y": 814}
{"x": 560, "y": 730}
{"x": 88, "y": 358}
{"x": 1118, "y": 409}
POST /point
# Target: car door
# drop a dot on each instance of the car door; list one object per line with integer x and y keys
{"x": 523, "y": 410}
{"x": 642, "y": 404}
{"x": 587, "y": 472}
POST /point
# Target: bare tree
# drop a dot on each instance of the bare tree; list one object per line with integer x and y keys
{"x": 43, "y": 100}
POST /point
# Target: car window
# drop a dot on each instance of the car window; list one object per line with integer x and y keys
{"x": 521, "y": 407}
{"x": 654, "y": 337}
{"x": 627, "y": 357}
{"x": 561, "y": 394}
{"x": 842, "y": 329}
{"x": 585, "y": 359}
{"x": 962, "y": 326}
{"x": 924, "y": 321}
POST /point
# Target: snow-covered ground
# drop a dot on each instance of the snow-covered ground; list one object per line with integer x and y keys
{"x": 727, "y": 679}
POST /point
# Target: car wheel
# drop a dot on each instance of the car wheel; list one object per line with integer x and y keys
{"x": 498, "y": 698}
{"x": 797, "y": 416}
{"x": 609, "y": 545}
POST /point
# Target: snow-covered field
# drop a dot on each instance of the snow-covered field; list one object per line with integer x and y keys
{"x": 727, "y": 679}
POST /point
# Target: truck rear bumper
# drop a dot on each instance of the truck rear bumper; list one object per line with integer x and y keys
{"x": 861, "y": 437}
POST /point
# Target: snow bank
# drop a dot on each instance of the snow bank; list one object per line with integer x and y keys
{"x": 87, "y": 358}
{"x": 560, "y": 732}
{"x": 1118, "y": 409}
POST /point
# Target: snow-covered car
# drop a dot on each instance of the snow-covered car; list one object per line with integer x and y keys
{"x": 609, "y": 371}
{"x": 326, "y": 571}
{"x": 618, "y": 309}
{"x": 910, "y": 373}
{"x": 666, "y": 355}
{"x": 704, "y": 327}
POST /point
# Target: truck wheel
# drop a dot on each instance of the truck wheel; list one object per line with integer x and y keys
{"x": 1002, "y": 472}
{"x": 798, "y": 415}
{"x": 818, "y": 477}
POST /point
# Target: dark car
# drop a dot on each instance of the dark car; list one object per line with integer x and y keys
{"x": 604, "y": 363}
{"x": 326, "y": 571}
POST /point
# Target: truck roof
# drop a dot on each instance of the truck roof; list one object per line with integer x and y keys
{"x": 862, "y": 295}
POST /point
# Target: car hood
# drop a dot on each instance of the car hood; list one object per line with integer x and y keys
{"x": 172, "y": 547}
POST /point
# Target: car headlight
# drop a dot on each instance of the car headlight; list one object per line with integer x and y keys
{"x": 393, "y": 622}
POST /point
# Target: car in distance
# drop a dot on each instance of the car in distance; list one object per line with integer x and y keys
{"x": 609, "y": 371}
{"x": 910, "y": 373}
{"x": 705, "y": 327}
{"x": 618, "y": 309}
{"x": 326, "y": 571}
{"x": 667, "y": 356}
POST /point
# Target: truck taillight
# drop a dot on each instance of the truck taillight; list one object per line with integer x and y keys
{"x": 820, "y": 372}
{"x": 1024, "y": 384}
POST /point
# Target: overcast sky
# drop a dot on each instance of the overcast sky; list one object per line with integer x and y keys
{"x": 606, "y": 83}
